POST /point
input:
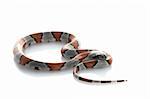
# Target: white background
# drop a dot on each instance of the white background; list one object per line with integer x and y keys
{"x": 119, "y": 27}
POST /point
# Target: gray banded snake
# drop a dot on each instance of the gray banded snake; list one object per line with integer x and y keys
{"x": 78, "y": 59}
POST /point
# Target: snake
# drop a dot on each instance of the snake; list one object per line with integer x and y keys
{"x": 77, "y": 59}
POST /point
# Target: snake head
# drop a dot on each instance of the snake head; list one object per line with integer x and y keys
{"x": 101, "y": 56}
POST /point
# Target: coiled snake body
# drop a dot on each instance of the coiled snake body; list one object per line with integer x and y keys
{"x": 79, "y": 59}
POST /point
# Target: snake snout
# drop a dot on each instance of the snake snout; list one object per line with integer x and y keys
{"x": 109, "y": 59}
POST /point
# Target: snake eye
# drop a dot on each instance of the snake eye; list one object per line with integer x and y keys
{"x": 100, "y": 57}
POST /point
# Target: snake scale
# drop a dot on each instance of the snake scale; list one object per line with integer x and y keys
{"x": 78, "y": 59}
